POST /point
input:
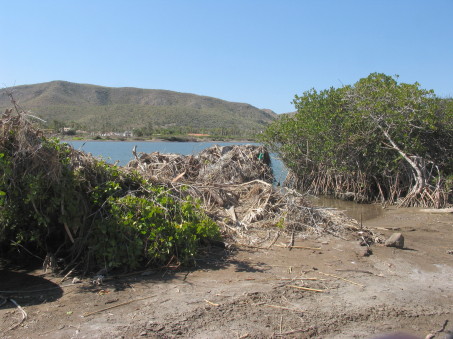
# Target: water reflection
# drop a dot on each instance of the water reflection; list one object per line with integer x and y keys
{"x": 357, "y": 211}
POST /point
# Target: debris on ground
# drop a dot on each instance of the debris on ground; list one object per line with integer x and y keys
{"x": 234, "y": 186}
{"x": 235, "y": 164}
{"x": 395, "y": 240}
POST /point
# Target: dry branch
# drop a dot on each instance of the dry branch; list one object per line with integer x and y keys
{"x": 300, "y": 247}
{"x": 114, "y": 306}
{"x": 211, "y": 303}
{"x": 24, "y": 315}
{"x": 306, "y": 288}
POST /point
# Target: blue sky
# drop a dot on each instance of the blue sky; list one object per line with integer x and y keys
{"x": 255, "y": 51}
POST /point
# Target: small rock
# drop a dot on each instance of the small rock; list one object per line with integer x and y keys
{"x": 98, "y": 280}
{"x": 366, "y": 252}
{"x": 395, "y": 240}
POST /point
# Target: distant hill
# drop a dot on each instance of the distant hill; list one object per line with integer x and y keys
{"x": 97, "y": 108}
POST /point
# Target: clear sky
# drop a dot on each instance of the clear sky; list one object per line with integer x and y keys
{"x": 255, "y": 51}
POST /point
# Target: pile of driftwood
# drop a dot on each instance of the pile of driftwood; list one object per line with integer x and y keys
{"x": 234, "y": 186}
{"x": 217, "y": 164}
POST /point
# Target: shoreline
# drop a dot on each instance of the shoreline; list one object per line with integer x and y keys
{"x": 393, "y": 290}
{"x": 161, "y": 140}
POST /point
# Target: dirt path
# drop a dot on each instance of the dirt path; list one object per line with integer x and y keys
{"x": 250, "y": 293}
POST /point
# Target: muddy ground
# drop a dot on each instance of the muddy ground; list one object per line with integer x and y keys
{"x": 251, "y": 293}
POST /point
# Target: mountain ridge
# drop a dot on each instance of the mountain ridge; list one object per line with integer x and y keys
{"x": 99, "y": 107}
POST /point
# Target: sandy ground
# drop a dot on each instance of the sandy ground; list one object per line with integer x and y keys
{"x": 252, "y": 293}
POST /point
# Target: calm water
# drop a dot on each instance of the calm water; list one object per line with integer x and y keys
{"x": 353, "y": 210}
{"x": 121, "y": 151}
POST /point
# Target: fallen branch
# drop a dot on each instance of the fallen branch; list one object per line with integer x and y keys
{"x": 211, "y": 303}
{"x": 179, "y": 176}
{"x": 122, "y": 304}
{"x": 291, "y": 242}
{"x": 275, "y": 239}
{"x": 34, "y": 255}
{"x": 311, "y": 279}
{"x": 67, "y": 274}
{"x": 300, "y": 247}
{"x": 306, "y": 288}
{"x": 359, "y": 271}
{"x": 24, "y": 315}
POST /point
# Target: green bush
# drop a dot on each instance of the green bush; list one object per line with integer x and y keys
{"x": 54, "y": 199}
{"x": 379, "y": 139}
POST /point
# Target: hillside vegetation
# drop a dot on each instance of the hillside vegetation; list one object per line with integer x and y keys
{"x": 105, "y": 109}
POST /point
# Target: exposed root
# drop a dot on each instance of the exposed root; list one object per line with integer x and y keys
{"x": 24, "y": 315}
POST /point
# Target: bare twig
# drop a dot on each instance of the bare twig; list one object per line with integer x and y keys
{"x": 306, "y": 288}
{"x": 26, "y": 250}
{"x": 122, "y": 304}
{"x": 300, "y": 247}
{"x": 211, "y": 303}
{"x": 67, "y": 274}
{"x": 275, "y": 239}
{"x": 24, "y": 315}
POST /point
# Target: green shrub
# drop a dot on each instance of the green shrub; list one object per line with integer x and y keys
{"x": 54, "y": 199}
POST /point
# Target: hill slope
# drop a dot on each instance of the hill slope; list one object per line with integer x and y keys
{"x": 98, "y": 108}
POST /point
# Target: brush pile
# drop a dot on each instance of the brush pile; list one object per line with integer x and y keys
{"x": 248, "y": 211}
{"x": 218, "y": 164}
{"x": 234, "y": 186}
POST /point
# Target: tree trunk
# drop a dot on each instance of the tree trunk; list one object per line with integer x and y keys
{"x": 419, "y": 176}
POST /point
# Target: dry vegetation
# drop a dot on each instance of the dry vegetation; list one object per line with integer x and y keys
{"x": 234, "y": 185}
{"x": 73, "y": 209}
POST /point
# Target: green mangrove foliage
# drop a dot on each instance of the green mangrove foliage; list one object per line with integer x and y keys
{"x": 376, "y": 140}
{"x": 60, "y": 202}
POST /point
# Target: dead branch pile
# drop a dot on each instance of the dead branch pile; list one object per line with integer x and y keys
{"x": 234, "y": 185}
{"x": 217, "y": 164}
{"x": 247, "y": 211}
